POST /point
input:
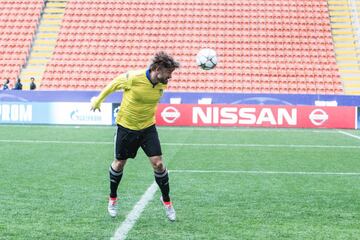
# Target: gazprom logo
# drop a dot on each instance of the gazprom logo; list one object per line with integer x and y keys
{"x": 77, "y": 115}
{"x": 16, "y": 112}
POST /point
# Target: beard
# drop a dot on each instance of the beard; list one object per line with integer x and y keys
{"x": 163, "y": 81}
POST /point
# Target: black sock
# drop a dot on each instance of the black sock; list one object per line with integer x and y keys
{"x": 115, "y": 178}
{"x": 162, "y": 179}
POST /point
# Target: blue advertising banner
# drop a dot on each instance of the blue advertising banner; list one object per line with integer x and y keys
{"x": 188, "y": 98}
{"x": 25, "y": 112}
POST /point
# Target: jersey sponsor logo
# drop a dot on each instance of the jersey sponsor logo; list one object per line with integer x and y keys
{"x": 318, "y": 117}
{"x": 170, "y": 114}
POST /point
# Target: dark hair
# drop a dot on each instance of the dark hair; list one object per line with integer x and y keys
{"x": 162, "y": 59}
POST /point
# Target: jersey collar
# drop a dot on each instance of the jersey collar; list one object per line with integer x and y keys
{"x": 148, "y": 74}
{"x": 149, "y": 78}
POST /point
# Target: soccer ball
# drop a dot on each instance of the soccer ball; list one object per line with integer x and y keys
{"x": 206, "y": 59}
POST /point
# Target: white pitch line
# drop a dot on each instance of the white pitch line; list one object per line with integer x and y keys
{"x": 349, "y": 134}
{"x": 52, "y": 142}
{"x": 266, "y": 172}
{"x": 135, "y": 213}
{"x": 187, "y": 144}
{"x": 232, "y": 129}
{"x": 261, "y": 145}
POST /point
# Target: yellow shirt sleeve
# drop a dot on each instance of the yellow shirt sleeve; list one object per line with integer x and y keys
{"x": 120, "y": 82}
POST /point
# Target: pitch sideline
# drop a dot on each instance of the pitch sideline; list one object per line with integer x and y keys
{"x": 264, "y": 172}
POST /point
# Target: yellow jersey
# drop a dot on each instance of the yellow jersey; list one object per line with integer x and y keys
{"x": 140, "y": 98}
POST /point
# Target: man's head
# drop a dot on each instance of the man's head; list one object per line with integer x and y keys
{"x": 161, "y": 67}
{"x": 32, "y": 79}
{"x": 18, "y": 79}
{"x": 7, "y": 81}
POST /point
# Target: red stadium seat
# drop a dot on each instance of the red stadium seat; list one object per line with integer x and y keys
{"x": 18, "y": 22}
{"x": 260, "y": 50}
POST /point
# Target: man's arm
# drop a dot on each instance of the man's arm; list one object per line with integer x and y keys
{"x": 120, "y": 82}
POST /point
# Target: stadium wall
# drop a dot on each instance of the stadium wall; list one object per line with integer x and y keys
{"x": 187, "y": 109}
{"x": 189, "y": 98}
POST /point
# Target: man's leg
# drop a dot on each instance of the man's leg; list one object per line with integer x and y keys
{"x": 115, "y": 172}
{"x": 162, "y": 179}
{"x": 126, "y": 145}
{"x": 150, "y": 143}
{"x": 161, "y": 176}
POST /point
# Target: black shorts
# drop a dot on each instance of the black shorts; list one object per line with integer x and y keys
{"x": 127, "y": 142}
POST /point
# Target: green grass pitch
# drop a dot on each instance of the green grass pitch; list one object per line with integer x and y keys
{"x": 226, "y": 183}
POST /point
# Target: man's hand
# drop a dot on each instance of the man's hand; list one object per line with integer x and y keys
{"x": 94, "y": 104}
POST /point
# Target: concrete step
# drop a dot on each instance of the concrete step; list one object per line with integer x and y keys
{"x": 45, "y": 48}
{"x": 52, "y": 16}
{"x": 47, "y": 35}
{"x": 33, "y": 61}
{"x": 341, "y": 26}
{"x": 41, "y": 54}
{"x": 351, "y": 65}
{"x": 48, "y": 29}
{"x": 353, "y": 85}
{"x": 341, "y": 19}
{"x": 339, "y": 14}
{"x": 51, "y": 22}
{"x": 346, "y": 58}
{"x": 349, "y": 52}
{"x": 341, "y": 7}
{"x": 351, "y": 79}
{"x": 342, "y": 32}
{"x": 345, "y": 45}
{"x": 353, "y": 92}
{"x": 56, "y": 4}
{"x": 54, "y": 10}
{"x": 46, "y": 41}
{"x": 344, "y": 38}
{"x": 337, "y": 2}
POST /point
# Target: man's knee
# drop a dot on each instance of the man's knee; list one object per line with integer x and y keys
{"x": 157, "y": 163}
{"x": 118, "y": 165}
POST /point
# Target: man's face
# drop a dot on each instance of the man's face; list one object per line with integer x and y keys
{"x": 163, "y": 75}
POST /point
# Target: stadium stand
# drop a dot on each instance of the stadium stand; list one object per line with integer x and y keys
{"x": 347, "y": 49}
{"x": 267, "y": 46}
{"x": 18, "y": 23}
